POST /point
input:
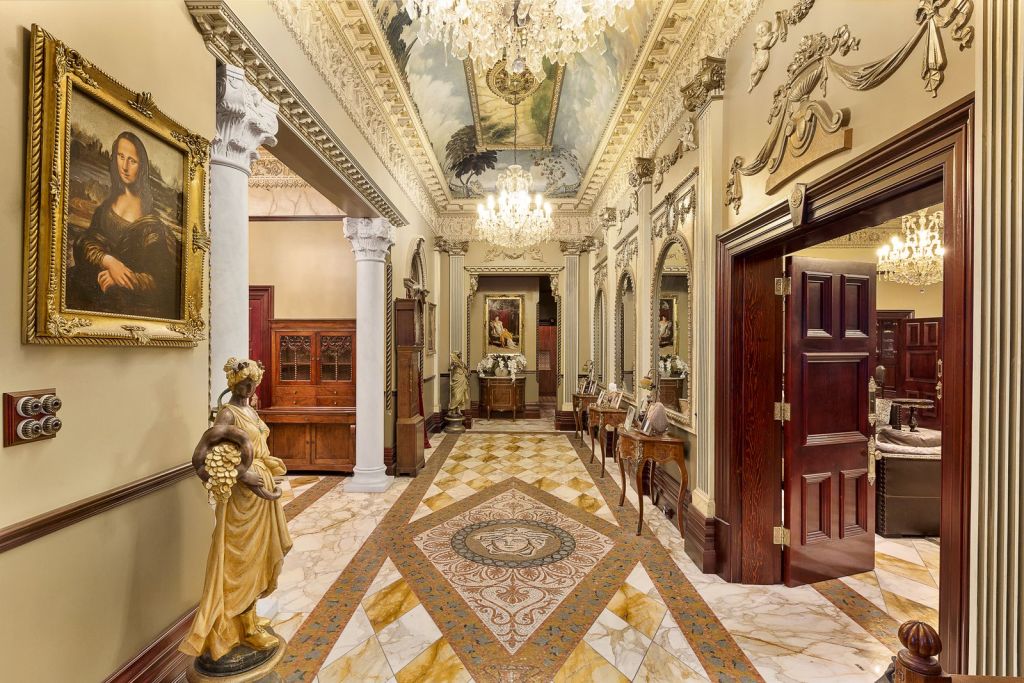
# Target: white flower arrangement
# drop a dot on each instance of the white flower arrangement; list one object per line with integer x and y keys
{"x": 514, "y": 363}
{"x": 672, "y": 365}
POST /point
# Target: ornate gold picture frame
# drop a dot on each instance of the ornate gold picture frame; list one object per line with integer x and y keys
{"x": 504, "y": 324}
{"x": 115, "y": 224}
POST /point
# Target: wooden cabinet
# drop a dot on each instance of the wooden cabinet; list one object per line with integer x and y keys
{"x": 410, "y": 432}
{"x": 312, "y": 416}
{"x": 498, "y": 394}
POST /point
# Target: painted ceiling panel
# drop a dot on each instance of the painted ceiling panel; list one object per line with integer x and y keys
{"x": 472, "y": 151}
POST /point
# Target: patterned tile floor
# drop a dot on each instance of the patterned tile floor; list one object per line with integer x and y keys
{"x": 359, "y": 600}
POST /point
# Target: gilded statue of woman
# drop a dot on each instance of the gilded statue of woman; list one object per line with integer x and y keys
{"x": 458, "y": 384}
{"x": 127, "y": 261}
{"x": 251, "y": 537}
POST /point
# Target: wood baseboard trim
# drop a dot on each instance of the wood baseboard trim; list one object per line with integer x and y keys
{"x": 565, "y": 421}
{"x": 699, "y": 538}
{"x": 160, "y": 661}
{"x": 36, "y": 527}
{"x": 435, "y": 423}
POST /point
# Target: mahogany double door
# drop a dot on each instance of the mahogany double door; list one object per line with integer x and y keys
{"x": 920, "y": 366}
{"x": 830, "y": 346}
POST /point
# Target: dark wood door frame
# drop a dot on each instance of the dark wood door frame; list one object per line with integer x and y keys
{"x": 264, "y": 294}
{"x": 924, "y": 165}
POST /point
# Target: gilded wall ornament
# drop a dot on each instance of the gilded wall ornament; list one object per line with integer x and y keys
{"x": 501, "y": 254}
{"x": 600, "y": 275}
{"x": 796, "y": 118}
{"x": 710, "y": 80}
{"x": 626, "y": 254}
{"x": 768, "y": 33}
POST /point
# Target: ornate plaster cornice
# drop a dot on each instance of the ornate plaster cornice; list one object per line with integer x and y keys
{"x": 711, "y": 32}
{"x": 576, "y": 246}
{"x": 567, "y": 225}
{"x": 268, "y": 171}
{"x": 451, "y": 247}
{"x": 231, "y": 42}
{"x": 709, "y": 82}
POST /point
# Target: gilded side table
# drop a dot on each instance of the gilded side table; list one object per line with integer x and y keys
{"x": 580, "y": 403}
{"x": 641, "y": 448}
{"x": 602, "y": 418}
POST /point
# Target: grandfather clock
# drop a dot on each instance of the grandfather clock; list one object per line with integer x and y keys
{"x": 411, "y": 425}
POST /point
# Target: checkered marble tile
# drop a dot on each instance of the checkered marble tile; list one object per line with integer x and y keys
{"x": 546, "y": 461}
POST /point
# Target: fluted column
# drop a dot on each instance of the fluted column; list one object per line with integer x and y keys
{"x": 996, "y": 634}
{"x": 704, "y": 98}
{"x": 245, "y": 121}
{"x": 644, "y": 170}
{"x": 456, "y": 294}
{"x": 571, "y": 321}
{"x": 371, "y": 239}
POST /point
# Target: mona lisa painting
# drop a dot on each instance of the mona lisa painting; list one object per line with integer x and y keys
{"x": 114, "y": 211}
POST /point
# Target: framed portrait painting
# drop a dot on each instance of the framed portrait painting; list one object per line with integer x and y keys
{"x": 115, "y": 230}
{"x": 431, "y": 328}
{"x": 503, "y": 324}
{"x": 668, "y": 314}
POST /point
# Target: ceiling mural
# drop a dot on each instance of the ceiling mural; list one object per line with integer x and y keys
{"x": 468, "y": 116}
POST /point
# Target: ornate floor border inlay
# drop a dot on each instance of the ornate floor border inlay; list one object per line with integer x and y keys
{"x": 301, "y": 503}
{"x": 715, "y": 647}
{"x": 858, "y": 608}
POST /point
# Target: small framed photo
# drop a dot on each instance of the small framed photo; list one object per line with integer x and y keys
{"x": 615, "y": 399}
{"x": 601, "y": 397}
{"x": 581, "y": 386}
{"x": 646, "y": 428}
{"x": 630, "y": 417}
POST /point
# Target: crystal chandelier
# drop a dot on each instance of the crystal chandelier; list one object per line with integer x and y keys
{"x": 514, "y": 219}
{"x": 916, "y": 259}
{"x": 525, "y": 32}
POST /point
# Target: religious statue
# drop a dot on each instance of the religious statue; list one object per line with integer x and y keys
{"x": 458, "y": 396}
{"x": 250, "y": 539}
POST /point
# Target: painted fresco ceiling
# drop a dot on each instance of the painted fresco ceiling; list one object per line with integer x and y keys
{"x": 469, "y": 124}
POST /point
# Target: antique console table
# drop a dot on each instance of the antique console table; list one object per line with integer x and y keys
{"x": 580, "y": 403}
{"x": 502, "y": 394}
{"x": 602, "y": 418}
{"x": 641, "y": 448}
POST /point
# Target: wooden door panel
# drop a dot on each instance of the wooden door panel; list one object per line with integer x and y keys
{"x": 334, "y": 445}
{"x": 291, "y": 443}
{"x": 547, "y": 353}
{"x": 919, "y": 364}
{"x": 830, "y": 345}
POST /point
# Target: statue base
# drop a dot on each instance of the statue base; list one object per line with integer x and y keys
{"x": 242, "y": 665}
{"x": 456, "y": 424}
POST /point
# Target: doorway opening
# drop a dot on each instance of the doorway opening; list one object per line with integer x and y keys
{"x": 547, "y": 349}
{"x": 767, "y": 441}
{"x": 862, "y": 447}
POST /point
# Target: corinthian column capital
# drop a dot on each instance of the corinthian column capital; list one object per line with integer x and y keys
{"x": 370, "y": 237}
{"x": 245, "y": 120}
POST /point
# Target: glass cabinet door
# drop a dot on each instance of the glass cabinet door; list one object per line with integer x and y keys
{"x": 336, "y": 358}
{"x": 295, "y": 354}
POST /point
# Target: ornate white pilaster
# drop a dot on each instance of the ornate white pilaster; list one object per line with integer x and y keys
{"x": 571, "y": 319}
{"x": 456, "y": 294}
{"x": 644, "y": 172}
{"x": 371, "y": 239}
{"x": 245, "y": 121}
{"x": 996, "y": 628}
{"x": 704, "y": 97}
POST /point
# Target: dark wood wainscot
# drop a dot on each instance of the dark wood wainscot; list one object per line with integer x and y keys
{"x": 502, "y": 394}
{"x": 312, "y": 416}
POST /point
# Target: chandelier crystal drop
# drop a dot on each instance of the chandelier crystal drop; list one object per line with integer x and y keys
{"x": 916, "y": 259}
{"x": 524, "y": 32}
{"x": 514, "y": 218}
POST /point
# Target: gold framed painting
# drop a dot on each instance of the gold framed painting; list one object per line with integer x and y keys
{"x": 503, "y": 324}
{"x": 668, "y": 323}
{"x": 115, "y": 225}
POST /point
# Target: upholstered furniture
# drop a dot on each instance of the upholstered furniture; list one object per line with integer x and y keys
{"x": 641, "y": 449}
{"x": 909, "y": 483}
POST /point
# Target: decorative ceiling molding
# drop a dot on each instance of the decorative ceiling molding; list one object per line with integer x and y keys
{"x": 452, "y": 247}
{"x": 502, "y": 254}
{"x": 711, "y": 32}
{"x": 513, "y": 89}
{"x": 869, "y": 238}
{"x": 359, "y": 72}
{"x": 567, "y": 225}
{"x": 268, "y": 171}
{"x": 230, "y": 41}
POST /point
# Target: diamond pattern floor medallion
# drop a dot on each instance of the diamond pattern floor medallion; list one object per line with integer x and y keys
{"x": 514, "y": 560}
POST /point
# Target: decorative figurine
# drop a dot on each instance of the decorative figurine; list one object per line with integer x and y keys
{"x": 656, "y": 422}
{"x": 458, "y": 396}
{"x": 250, "y": 539}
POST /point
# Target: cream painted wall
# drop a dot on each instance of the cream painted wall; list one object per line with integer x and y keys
{"x": 529, "y": 288}
{"x": 102, "y": 589}
{"x": 309, "y": 263}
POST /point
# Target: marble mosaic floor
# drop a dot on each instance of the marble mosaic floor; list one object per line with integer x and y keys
{"x": 507, "y": 559}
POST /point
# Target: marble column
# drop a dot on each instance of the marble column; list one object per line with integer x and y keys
{"x": 996, "y": 626}
{"x": 571, "y": 318}
{"x": 704, "y": 98}
{"x": 643, "y": 169}
{"x": 245, "y": 120}
{"x": 371, "y": 239}
{"x": 456, "y": 294}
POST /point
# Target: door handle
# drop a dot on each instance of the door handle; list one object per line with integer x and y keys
{"x": 938, "y": 390}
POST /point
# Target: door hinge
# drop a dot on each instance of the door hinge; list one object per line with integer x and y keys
{"x": 782, "y": 411}
{"x": 780, "y": 535}
{"x": 783, "y": 286}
